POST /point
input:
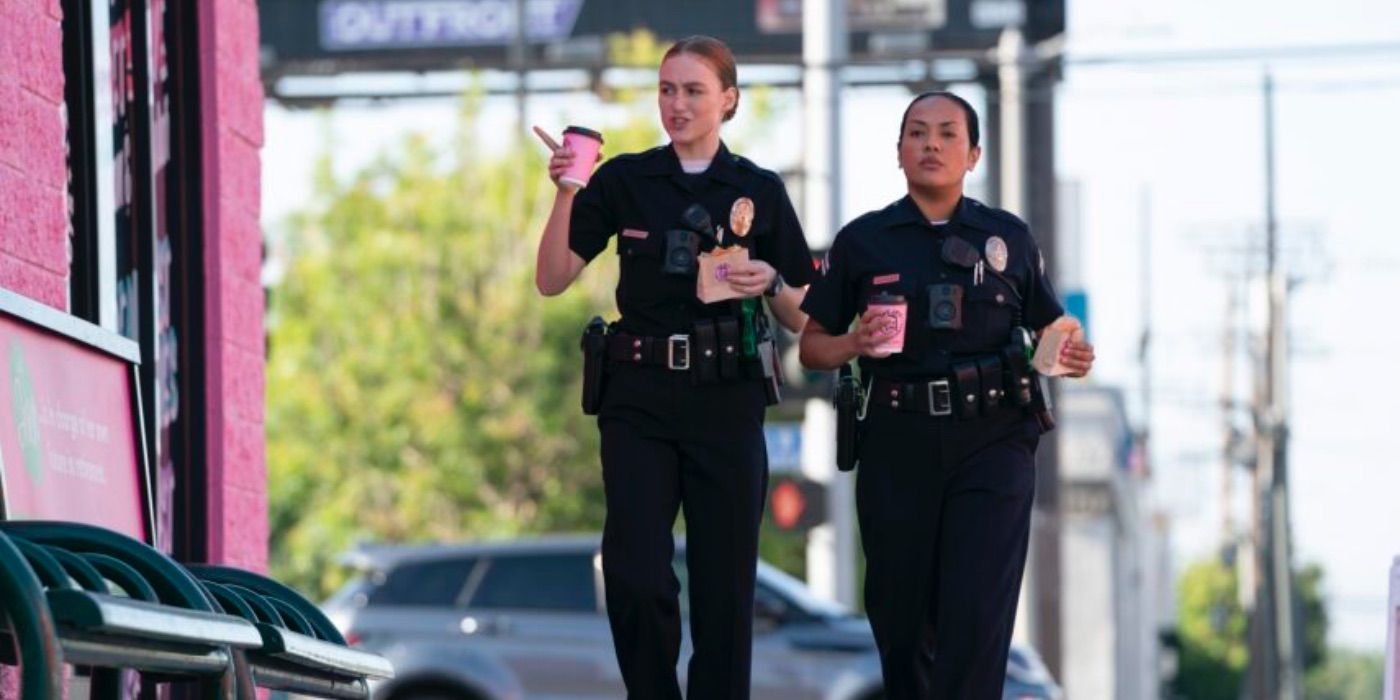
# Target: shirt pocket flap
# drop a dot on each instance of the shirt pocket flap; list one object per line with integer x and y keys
{"x": 992, "y": 291}
{"x": 636, "y": 243}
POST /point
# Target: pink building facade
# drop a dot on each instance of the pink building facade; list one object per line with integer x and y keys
{"x": 129, "y": 197}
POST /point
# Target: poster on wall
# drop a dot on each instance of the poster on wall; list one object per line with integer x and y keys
{"x": 69, "y": 445}
{"x": 151, "y": 225}
{"x": 123, "y": 165}
{"x": 168, "y": 241}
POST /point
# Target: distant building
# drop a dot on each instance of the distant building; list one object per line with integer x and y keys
{"x": 1116, "y": 578}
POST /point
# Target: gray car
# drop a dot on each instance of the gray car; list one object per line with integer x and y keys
{"x": 525, "y": 619}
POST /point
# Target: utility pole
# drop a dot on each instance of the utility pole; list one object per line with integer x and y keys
{"x": 1227, "y": 414}
{"x": 519, "y": 60}
{"x": 1011, "y": 51}
{"x": 831, "y": 549}
{"x": 1145, "y": 313}
{"x": 1275, "y": 649}
{"x": 1024, "y": 183}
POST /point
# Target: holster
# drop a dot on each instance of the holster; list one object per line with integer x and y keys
{"x": 1027, "y": 388}
{"x": 1041, "y": 404}
{"x": 772, "y": 372}
{"x": 1020, "y": 377}
{"x": 594, "y": 344}
{"x": 848, "y": 401}
{"x": 766, "y": 348}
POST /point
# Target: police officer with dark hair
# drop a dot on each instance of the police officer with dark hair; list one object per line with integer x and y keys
{"x": 947, "y": 444}
{"x": 681, "y": 410}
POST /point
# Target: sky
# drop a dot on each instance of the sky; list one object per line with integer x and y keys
{"x": 1168, "y": 162}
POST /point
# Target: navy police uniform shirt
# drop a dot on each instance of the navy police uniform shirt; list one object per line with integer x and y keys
{"x": 896, "y": 250}
{"x": 639, "y": 196}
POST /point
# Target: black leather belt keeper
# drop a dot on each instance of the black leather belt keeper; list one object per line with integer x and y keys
{"x": 989, "y": 371}
{"x": 705, "y": 354}
{"x": 967, "y": 390}
{"x": 728, "y": 329}
{"x": 646, "y": 350}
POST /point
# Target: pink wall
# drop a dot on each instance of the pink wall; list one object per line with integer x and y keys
{"x": 232, "y": 101}
{"x": 33, "y": 174}
{"x": 33, "y": 171}
{"x": 34, "y": 255}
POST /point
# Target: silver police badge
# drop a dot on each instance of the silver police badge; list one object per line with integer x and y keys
{"x": 996, "y": 253}
{"x": 741, "y": 216}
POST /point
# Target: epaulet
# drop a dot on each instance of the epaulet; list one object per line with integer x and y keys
{"x": 753, "y": 167}
{"x": 995, "y": 216}
{"x": 639, "y": 155}
{"x": 861, "y": 222}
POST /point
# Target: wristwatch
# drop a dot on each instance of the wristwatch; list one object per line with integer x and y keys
{"x": 774, "y": 287}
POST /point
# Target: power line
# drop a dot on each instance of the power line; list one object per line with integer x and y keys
{"x": 898, "y": 72}
{"x": 1254, "y": 54}
{"x": 1232, "y": 88}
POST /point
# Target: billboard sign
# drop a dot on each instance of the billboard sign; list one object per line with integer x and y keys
{"x": 347, "y": 25}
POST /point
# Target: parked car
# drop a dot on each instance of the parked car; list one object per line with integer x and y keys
{"x": 519, "y": 619}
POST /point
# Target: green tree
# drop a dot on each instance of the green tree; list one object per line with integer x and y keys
{"x": 1313, "y": 609}
{"x": 418, "y": 387}
{"x": 1213, "y": 629}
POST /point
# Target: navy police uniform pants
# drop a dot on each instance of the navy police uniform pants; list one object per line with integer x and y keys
{"x": 944, "y": 508}
{"x": 668, "y": 446}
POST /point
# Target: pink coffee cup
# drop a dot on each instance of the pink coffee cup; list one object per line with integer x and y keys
{"x": 892, "y": 312}
{"x": 585, "y": 143}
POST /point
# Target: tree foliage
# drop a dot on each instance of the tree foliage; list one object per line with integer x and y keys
{"x": 1213, "y": 629}
{"x": 418, "y": 387}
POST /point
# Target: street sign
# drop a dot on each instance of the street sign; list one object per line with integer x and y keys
{"x": 1077, "y": 305}
{"x": 784, "y": 447}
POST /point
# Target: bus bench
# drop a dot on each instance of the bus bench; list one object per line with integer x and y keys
{"x": 86, "y": 596}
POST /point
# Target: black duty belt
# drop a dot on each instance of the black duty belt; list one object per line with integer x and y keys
{"x": 934, "y": 398}
{"x": 671, "y": 352}
{"x": 975, "y": 388}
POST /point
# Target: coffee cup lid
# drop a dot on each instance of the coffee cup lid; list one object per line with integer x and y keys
{"x": 584, "y": 131}
{"x": 886, "y": 298}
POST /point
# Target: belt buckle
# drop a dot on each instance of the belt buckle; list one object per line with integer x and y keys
{"x": 940, "y": 398}
{"x": 681, "y": 341}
